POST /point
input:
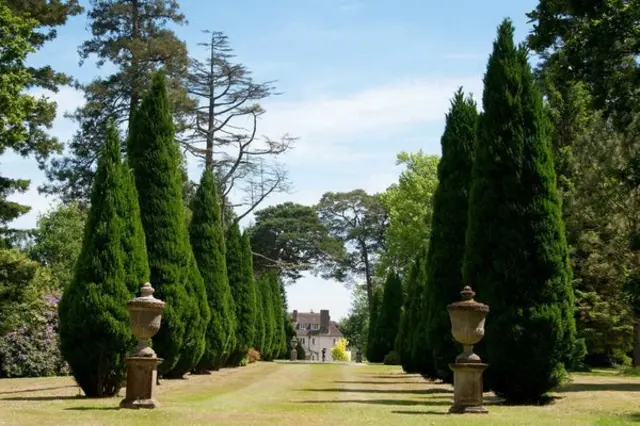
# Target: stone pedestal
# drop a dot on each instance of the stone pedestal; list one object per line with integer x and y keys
{"x": 467, "y": 388}
{"x": 358, "y": 356}
{"x": 294, "y": 355}
{"x": 142, "y": 375}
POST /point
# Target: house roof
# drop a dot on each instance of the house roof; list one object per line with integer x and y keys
{"x": 333, "y": 331}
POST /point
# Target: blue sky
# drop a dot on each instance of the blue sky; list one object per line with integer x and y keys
{"x": 361, "y": 81}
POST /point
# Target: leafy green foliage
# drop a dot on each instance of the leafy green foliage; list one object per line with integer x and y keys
{"x": 94, "y": 322}
{"x": 410, "y": 322}
{"x": 280, "y": 344}
{"x": 241, "y": 283}
{"x": 289, "y": 239}
{"x": 359, "y": 221}
{"x": 409, "y": 204}
{"x": 447, "y": 243}
{"x": 155, "y": 159}
{"x": 354, "y": 327}
{"x": 516, "y": 252}
{"x": 58, "y": 240}
{"x": 339, "y": 350}
{"x": 268, "y": 344}
{"x": 207, "y": 241}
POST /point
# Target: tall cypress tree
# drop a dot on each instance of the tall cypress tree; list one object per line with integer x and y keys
{"x": 388, "y": 321}
{"x": 516, "y": 254}
{"x": 280, "y": 335}
{"x": 372, "y": 332}
{"x": 207, "y": 242}
{"x": 252, "y": 293}
{"x": 269, "y": 319}
{"x": 448, "y": 228}
{"x": 243, "y": 292}
{"x": 94, "y": 322}
{"x": 155, "y": 159}
{"x": 410, "y": 317}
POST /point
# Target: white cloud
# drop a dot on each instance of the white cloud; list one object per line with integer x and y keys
{"x": 326, "y": 125}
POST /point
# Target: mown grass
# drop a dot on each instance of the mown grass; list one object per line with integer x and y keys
{"x": 315, "y": 394}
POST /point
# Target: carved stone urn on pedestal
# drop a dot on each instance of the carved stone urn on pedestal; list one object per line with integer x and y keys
{"x": 467, "y": 326}
{"x": 142, "y": 365}
{"x": 294, "y": 351}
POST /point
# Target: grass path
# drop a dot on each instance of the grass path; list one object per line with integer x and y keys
{"x": 313, "y": 394}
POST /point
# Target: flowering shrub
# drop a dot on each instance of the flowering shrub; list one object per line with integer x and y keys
{"x": 253, "y": 356}
{"x": 339, "y": 350}
{"x": 32, "y": 350}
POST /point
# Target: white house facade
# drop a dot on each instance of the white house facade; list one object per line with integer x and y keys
{"x": 316, "y": 332}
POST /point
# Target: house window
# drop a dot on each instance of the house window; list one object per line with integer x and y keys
{"x": 315, "y": 326}
{"x": 303, "y": 340}
{"x": 313, "y": 341}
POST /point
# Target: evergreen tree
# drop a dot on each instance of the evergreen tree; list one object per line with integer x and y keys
{"x": 268, "y": 347}
{"x": 516, "y": 254}
{"x": 449, "y": 224}
{"x": 155, "y": 159}
{"x": 410, "y": 318}
{"x": 372, "y": 333}
{"x": 260, "y": 323}
{"x": 207, "y": 242}
{"x": 243, "y": 292}
{"x": 280, "y": 335}
{"x": 94, "y": 322}
{"x": 388, "y": 321}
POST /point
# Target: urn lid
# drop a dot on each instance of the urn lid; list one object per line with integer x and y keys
{"x": 467, "y": 303}
{"x": 146, "y": 299}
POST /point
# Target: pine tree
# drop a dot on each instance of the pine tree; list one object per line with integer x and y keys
{"x": 243, "y": 292}
{"x": 516, "y": 255}
{"x": 449, "y": 224}
{"x": 372, "y": 332}
{"x": 207, "y": 242}
{"x": 155, "y": 159}
{"x": 388, "y": 321}
{"x": 94, "y": 322}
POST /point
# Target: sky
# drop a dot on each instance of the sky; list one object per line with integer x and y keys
{"x": 361, "y": 80}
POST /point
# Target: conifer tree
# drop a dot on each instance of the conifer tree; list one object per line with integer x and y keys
{"x": 260, "y": 323}
{"x": 94, "y": 322}
{"x": 243, "y": 292}
{"x": 269, "y": 319}
{"x": 372, "y": 332}
{"x": 207, "y": 242}
{"x": 449, "y": 224}
{"x": 410, "y": 317}
{"x": 280, "y": 335}
{"x": 516, "y": 255}
{"x": 388, "y": 321}
{"x": 155, "y": 159}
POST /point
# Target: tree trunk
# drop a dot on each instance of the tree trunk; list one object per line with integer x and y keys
{"x": 211, "y": 122}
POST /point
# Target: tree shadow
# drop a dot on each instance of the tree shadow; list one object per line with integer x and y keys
{"x": 590, "y": 387}
{"x": 430, "y": 391}
{"x": 42, "y": 398}
{"x": 93, "y": 408}
{"x": 633, "y": 417}
{"x": 422, "y": 413}
{"x": 379, "y": 382}
{"x": 401, "y": 402}
{"x": 36, "y": 390}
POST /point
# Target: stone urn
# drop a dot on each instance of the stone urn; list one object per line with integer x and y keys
{"x": 358, "y": 355}
{"x": 145, "y": 314}
{"x": 294, "y": 351}
{"x": 467, "y": 326}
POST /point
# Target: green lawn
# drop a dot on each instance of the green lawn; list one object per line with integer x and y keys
{"x": 307, "y": 394}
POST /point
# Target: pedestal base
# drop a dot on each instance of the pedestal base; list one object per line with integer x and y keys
{"x": 142, "y": 375}
{"x": 294, "y": 355}
{"x": 467, "y": 387}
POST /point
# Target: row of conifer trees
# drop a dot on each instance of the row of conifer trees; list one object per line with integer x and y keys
{"x": 135, "y": 233}
{"x": 496, "y": 226}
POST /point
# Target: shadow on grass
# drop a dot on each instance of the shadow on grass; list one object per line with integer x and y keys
{"x": 396, "y": 376}
{"x": 590, "y": 387}
{"x": 380, "y": 382}
{"x": 93, "y": 408}
{"x": 36, "y": 390}
{"x": 388, "y": 391}
{"x": 42, "y": 398}
{"x": 422, "y": 413}
{"x": 634, "y": 417}
{"x": 400, "y": 402}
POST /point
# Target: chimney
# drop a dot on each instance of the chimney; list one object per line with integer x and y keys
{"x": 295, "y": 316}
{"x": 324, "y": 321}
